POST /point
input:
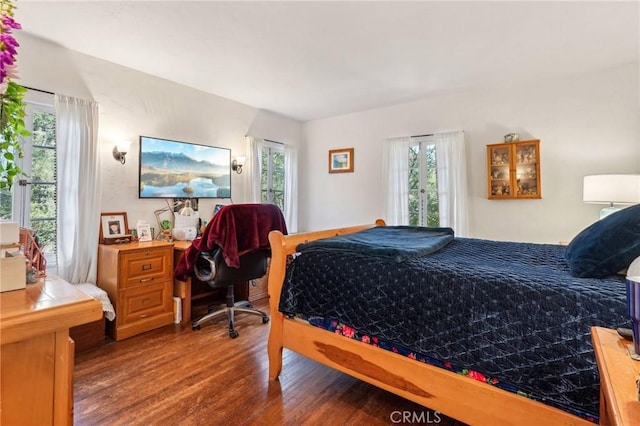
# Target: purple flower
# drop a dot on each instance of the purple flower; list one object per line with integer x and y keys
{"x": 8, "y": 45}
{"x": 9, "y": 22}
{"x": 8, "y": 40}
{"x": 6, "y": 58}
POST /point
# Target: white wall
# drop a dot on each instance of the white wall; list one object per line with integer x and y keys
{"x": 587, "y": 124}
{"x": 133, "y": 104}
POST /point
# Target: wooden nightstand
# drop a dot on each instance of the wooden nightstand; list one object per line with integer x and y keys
{"x": 619, "y": 403}
{"x": 139, "y": 280}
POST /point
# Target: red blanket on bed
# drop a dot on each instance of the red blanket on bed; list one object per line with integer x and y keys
{"x": 237, "y": 229}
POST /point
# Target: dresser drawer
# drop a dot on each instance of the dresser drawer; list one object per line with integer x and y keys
{"x": 145, "y": 302}
{"x": 145, "y": 266}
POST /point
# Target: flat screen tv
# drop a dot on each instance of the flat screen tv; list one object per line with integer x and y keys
{"x": 172, "y": 169}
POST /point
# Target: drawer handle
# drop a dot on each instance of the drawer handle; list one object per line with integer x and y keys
{"x": 146, "y": 266}
{"x": 145, "y": 315}
{"x": 142, "y": 280}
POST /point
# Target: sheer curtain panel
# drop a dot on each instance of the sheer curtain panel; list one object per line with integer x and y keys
{"x": 395, "y": 180}
{"x": 253, "y": 166}
{"x": 452, "y": 181}
{"x": 78, "y": 188}
{"x": 291, "y": 188}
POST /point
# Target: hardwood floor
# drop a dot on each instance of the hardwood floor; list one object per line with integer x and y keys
{"x": 175, "y": 376}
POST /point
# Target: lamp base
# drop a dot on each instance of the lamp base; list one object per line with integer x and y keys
{"x": 607, "y": 211}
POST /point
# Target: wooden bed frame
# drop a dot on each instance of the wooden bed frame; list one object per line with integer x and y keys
{"x": 456, "y": 396}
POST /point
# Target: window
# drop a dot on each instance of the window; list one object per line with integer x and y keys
{"x": 423, "y": 184}
{"x": 272, "y": 180}
{"x": 32, "y": 202}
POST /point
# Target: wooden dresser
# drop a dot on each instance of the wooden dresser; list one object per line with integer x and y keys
{"x": 139, "y": 280}
{"x": 36, "y": 365}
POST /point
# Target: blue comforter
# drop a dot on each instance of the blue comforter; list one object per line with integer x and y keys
{"x": 397, "y": 242}
{"x": 509, "y": 310}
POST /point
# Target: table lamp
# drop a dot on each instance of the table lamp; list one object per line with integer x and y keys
{"x": 611, "y": 189}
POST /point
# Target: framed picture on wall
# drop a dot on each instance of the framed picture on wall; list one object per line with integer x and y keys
{"x": 113, "y": 226}
{"x": 341, "y": 160}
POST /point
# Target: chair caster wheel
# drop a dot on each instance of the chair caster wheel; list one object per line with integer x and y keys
{"x": 195, "y": 327}
{"x": 233, "y": 334}
{"x": 265, "y": 320}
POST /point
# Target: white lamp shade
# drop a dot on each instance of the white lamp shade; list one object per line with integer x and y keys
{"x": 241, "y": 159}
{"x": 611, "y": 189}
{"x": 633, "y": 272}
{"x": 123, "y": 146}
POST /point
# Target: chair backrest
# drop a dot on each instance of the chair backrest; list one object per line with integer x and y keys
{"x": 240, "y": 228}
{"x": 235, "y": 243}
{"x": 212, "y": 269}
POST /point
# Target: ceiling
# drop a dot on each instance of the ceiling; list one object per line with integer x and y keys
{"x": 309, "y": 60}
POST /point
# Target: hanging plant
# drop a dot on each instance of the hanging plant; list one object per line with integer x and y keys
{"x": 12, "y": 130}
{"x": 11, "y": 99}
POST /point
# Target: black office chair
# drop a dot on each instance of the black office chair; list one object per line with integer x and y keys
{"x": 243, "y": 230}
{"x": 212, "y": 269}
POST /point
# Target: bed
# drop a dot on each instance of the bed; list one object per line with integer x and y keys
{"x": 472, "y": 397}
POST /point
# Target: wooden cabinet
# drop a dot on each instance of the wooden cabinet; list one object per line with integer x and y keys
{"x": 139, "y": 280}
{"x": 513, "y": 170}
{"x": 36, "y": 366}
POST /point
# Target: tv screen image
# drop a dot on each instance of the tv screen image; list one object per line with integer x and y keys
{"x": 173, "y": 169}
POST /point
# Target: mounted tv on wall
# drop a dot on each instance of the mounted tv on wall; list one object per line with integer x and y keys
{"x": 173, "y": 169}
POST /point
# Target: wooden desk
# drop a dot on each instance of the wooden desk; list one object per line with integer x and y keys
{"x": 619, "y": 403}
{"x": 193, "y": 291}
{"x": 36, "y": 366}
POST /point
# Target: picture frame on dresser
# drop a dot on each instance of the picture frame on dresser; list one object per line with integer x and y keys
{"x": 113, "y": 226}
{"x": 144, "y": 232}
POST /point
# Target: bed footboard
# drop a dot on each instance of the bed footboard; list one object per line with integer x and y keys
{"x": 281, "y": 247}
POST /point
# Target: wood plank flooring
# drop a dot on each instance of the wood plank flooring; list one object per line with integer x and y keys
{"x": 175, "y": 376}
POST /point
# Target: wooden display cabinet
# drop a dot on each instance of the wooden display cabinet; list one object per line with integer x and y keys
{"x": 513, "y": 170}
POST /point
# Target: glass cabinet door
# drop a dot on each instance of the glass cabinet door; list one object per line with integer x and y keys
{"x": 526, "y": 159}
{"x": 500, "y": 171}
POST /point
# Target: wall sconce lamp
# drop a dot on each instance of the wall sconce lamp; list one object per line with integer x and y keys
{"x": 237, "y": 163}
{"x": 120, "y": 151}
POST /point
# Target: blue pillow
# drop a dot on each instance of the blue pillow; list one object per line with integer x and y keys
{"x": 607, "y": 246}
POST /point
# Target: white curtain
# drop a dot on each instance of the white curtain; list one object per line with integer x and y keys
{"x": 253, "y": 167}
{"x": 78, "y": 188}
{"x": 291, "y": 188}
{"x": 452, "y": 181}
{"x": 395, "y": 175}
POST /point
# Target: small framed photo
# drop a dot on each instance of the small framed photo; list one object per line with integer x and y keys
{"x": 144, "y": 232}
{"x": 113, "y": 226}
{"x": 341, "y": 160}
